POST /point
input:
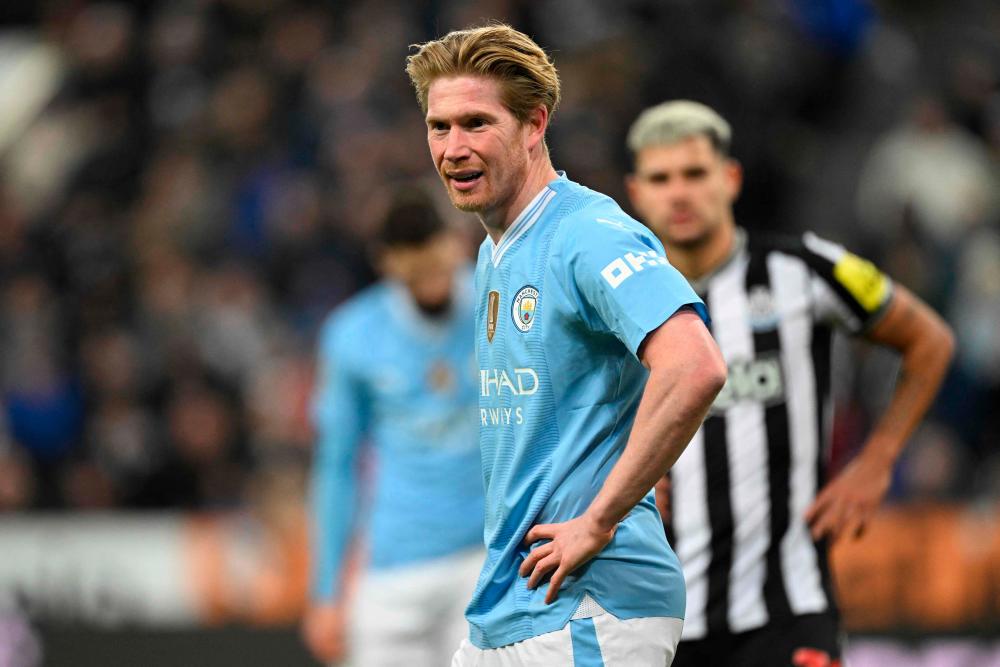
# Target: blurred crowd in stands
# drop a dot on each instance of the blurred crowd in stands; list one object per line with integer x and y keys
{"x": 188, "y": 187}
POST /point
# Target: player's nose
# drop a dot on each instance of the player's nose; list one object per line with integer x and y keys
{"x": 456, "y": 146}
{"x": 676, "y": 193}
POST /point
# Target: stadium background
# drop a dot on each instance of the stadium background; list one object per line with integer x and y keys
{"x": 187, "y": 187}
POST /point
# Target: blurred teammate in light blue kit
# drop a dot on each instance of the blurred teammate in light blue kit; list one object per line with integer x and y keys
{"x": 396, "y": 371}
{"x": 595, "y": 369}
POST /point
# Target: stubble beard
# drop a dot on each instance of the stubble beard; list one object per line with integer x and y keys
{"x": 479, "y": 203}
{"x": 436, "y": 310}
{"x": 692, "y": 243}
{"x": 465, "y": 202}
{"x": 700, "y": 239}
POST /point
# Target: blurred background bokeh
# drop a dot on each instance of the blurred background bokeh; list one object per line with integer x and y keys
{"x": 187, "y": 187}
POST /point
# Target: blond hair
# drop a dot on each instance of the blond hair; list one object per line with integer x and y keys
{"x": 670, "y": 122}
{"x": 526, "y": 75}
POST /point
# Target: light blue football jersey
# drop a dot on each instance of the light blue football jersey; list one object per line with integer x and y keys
{"x": 405, "y": 384}
{"x": 565, "y": 299}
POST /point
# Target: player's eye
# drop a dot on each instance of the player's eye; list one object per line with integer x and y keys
{"x": 657, "y": 178}
{"x": 438, "y": 126}
{"x": 476, "y": 122}
{"x": 695, "y": 173}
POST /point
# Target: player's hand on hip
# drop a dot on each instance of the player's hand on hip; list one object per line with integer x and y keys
{"x": 847, "y": 503}
{"x": 324, "y": 632}
{"x": 572, "y": 543}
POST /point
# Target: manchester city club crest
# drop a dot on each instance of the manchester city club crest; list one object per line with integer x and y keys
{"x": 440, "y": 377}
{"x": 524, "y": 307}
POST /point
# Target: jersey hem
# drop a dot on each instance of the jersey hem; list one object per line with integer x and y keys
{"x": 513, "y": 637}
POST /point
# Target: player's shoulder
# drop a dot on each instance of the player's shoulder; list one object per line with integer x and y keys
{"x": 354, "y": 317}
{"x": 855, "y": 280}
{"x": 815, "y": 251}
{"x": 596, "y": 221}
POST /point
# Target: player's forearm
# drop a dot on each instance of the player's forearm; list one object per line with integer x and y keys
{"x": 925, "y": 361}
{"x": 676, "y": 399}
{"x": 657, "y": 440}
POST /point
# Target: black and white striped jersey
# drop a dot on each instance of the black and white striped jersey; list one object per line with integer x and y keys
{"x": 739, "y": 491}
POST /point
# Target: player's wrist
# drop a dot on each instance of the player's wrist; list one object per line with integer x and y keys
{"x": 600, "y": 520}
{"x": 880, "y": 452}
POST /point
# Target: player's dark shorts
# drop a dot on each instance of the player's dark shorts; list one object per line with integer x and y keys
{"x": 811, "y": 640}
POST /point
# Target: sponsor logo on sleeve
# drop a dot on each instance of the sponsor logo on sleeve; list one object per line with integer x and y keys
{"x": 622, "y": 268}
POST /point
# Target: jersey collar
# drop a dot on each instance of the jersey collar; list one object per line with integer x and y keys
{"x": 700, "y": 285}
{"x": 409, "y": 314}
{"x": 525, "y": 220}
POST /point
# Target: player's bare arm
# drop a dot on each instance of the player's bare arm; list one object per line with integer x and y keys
{"x": 324, "y": 623}
{"x": 324, "y": 631}
{"x": 926, "y": 343}
{"x": 686, "y": 371}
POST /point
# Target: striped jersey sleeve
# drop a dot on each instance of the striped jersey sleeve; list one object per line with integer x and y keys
{"x": 849, "y": 291}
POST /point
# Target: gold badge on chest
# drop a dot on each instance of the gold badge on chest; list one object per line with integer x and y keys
{"x": 492, "y": 310}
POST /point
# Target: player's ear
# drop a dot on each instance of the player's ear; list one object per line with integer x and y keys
{"x": 631, "y": 185}
{"x": 734, "y": 177}
{"x": 386, "y": 261}
{"x": 537, "y": 123}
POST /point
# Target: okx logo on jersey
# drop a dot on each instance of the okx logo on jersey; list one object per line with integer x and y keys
{"x": 621, "y": 269}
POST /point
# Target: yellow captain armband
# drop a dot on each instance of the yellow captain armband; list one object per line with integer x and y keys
{"x": 863, "y": 280}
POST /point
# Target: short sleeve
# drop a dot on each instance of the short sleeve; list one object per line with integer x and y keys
{"x": 624, "y": 283}
{"x": 848, "y": 291}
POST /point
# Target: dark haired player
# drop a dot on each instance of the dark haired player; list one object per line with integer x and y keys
{"x": 395, "y": 372}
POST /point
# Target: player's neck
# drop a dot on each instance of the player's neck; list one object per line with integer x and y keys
{"x": 698, "y": 260}
{"x": 539, "y": 175}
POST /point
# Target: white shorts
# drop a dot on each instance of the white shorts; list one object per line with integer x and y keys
{"x": 598, "y": 641}
{"x": 413, "y": 616}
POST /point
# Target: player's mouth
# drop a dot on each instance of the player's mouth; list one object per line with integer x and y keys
{"x": 464, "y": 180}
